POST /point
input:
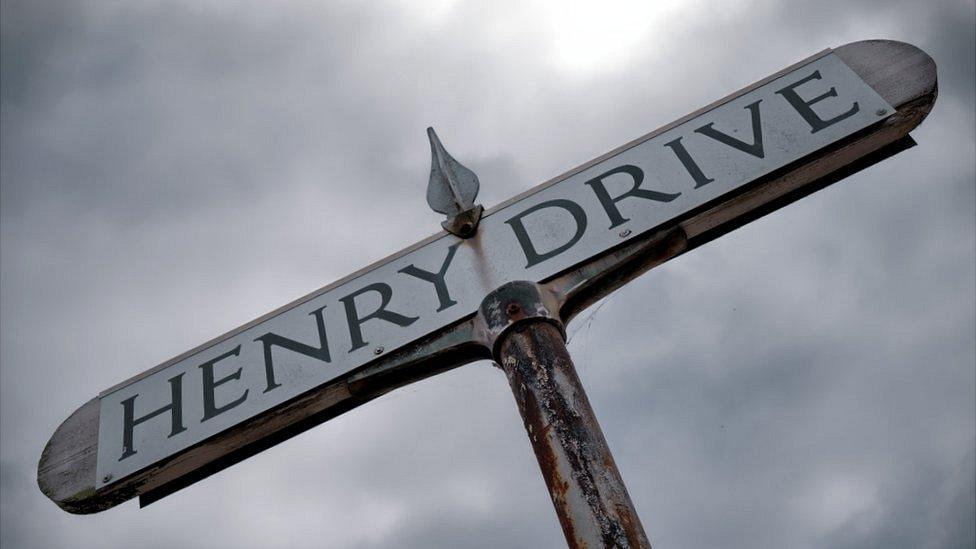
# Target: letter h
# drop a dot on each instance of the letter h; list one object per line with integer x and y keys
{"x": 175, "y": 407}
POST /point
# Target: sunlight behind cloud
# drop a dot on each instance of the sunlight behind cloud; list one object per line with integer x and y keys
{"x": 598, "y": 36}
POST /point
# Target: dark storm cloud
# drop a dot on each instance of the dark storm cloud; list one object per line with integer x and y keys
{"x": 171, "y": 170}
{"x": 149, "y": 106}
{"x": 928, "y": 509}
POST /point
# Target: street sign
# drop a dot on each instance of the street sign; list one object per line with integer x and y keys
{"x": 411, "y": 315}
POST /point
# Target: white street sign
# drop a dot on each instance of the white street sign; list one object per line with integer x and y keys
{"x": 347, "y": 325}
{"x": 656, "y": 181}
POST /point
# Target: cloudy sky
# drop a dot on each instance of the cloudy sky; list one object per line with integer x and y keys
{"x": 171, "y": 170}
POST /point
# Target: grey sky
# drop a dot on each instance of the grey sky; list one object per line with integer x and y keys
{"x": 171, "y": 170}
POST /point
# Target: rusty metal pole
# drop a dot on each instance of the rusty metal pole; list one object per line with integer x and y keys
{"x": 520, "y": 320}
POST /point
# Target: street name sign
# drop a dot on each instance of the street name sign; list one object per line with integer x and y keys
{"x": 412, "y": 315}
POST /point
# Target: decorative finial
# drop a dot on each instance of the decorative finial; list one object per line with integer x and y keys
{"x": 452, "y": 190}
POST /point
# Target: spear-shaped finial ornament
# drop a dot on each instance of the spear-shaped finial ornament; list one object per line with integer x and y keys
{"x": 452, "y": 190}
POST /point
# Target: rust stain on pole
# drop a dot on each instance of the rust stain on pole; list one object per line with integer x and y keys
{"x": 587, "y": 491}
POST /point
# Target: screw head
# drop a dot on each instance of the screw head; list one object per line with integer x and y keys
{"x": 625, "y": 233}
{"x": 378, "y": 351}
{"x": 881, "y": 112}
{"x": 106, "y": 478}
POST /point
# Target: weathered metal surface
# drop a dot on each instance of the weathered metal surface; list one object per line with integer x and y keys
{"x": 452, "y": 190}
{"x": 452, "y": 187}
{"x": 587, "y": 491}
{"x": 900, "y": 73}
{"x": 464, "y": 224}
{"x": 524, "y": 301}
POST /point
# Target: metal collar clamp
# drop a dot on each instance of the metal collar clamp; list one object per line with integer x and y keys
{"x": 512, "y": 305}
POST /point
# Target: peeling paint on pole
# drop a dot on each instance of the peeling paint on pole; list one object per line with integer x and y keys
{"x": 587, "y": 491}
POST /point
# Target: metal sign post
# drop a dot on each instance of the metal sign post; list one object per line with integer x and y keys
{"x": 452, "y": 298}
{"x": 521, "y": 319}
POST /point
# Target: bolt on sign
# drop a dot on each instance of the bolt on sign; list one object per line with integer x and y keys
{"x": 412, "y": 315}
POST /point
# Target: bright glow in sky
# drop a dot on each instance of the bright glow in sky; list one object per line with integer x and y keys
{"x": 589, "y": 36}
